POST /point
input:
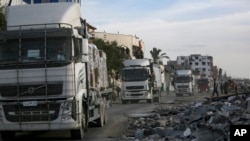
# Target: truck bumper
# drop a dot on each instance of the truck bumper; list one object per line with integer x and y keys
{"x": 136, "y": 95}
{"x": 38, "y": 126}
{"x": 182, "y": 93}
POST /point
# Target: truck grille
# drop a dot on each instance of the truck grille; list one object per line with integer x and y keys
{"x": 31, "y": 90}
{"x": 134, "y": 87}
{"x": 41, "y": 112}
{"x": 182, "y": 86}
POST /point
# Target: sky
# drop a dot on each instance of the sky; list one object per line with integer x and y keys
{"x": 217, "y": 28}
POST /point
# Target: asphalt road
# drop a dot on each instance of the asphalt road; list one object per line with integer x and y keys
{"x": 117, "y": 116}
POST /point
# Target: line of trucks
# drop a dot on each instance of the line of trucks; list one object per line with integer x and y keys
{"x": 51, "y": 78}
{"x": 185, "y": 83}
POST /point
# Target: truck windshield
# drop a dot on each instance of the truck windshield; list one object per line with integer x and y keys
{"x": 183, "y": 79}
{"x": 35, "y": 50}
{"x": 135, "y": 74}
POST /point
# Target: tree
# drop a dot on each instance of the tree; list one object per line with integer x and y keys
{"x": 2, "y": 19}
{"x": 115, "y": 54}
{"x": 157, "y": 55}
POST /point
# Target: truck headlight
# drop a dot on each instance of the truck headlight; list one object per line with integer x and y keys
{"x": 67, "y": 110}
{"x": 67, "y": 107}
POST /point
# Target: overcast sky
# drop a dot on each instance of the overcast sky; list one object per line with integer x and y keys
{"x": 218, "y": 28}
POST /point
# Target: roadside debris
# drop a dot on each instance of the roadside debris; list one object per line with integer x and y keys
{"x": 197, "y": 121}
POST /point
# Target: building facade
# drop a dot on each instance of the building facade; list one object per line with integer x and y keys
{"x": 131, "y": 43}
{"x": 198, "y": 63}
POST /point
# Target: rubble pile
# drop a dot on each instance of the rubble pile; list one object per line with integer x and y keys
{"x": 198, "y": 121}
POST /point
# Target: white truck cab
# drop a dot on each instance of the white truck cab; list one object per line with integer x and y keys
{"x": 183, "y": 82}
{"x": 141, "y": 80}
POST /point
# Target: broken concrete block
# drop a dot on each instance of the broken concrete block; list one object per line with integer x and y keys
{"x": 187, "y": 132}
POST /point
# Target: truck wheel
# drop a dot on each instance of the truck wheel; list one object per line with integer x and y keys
{"x": 100, "y": 120}
{"x": 149, "y": 100}
{"x": 106, "y": 113}
{"x": 157, "y": 99}
{"x": 134, "y": 101}
{"x": 79, "y": 133}
{"x": 124, "y": 101}
{"x": 8, "y": 135}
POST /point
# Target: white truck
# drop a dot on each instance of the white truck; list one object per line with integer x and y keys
{"x": 141, "y": 80}
{"x": 50, "y": 77}
{"x": 183, "y": 82}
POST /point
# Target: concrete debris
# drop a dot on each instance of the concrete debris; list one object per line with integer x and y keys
{"x": 199, "y": 121}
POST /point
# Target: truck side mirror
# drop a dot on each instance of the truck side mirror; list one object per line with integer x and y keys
{"x": 85, "y": 50}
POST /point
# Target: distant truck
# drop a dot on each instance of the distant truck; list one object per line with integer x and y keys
{"x": 50, "y": 77}
{"x": 183, "y": 82}
{"x": 141, "y": 80}
{"x": 203, "y": 85}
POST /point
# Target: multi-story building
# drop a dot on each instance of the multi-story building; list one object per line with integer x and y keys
{"x": 183, "y": 62}
{"x": 199, "y": 63}
{"x": 131, "y": 43}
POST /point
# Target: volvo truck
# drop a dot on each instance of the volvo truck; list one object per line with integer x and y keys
{"x": 50, "y": 77}
{"x": 141, "y": 80}
{"x": 183, "y": 82}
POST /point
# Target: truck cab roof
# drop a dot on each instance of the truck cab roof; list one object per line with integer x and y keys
{"x": 136, "y": 63}
{"x": 35, "y": 14}
{"x": 183, "y": 72}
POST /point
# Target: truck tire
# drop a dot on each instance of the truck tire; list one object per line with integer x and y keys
{"x": 157, "y": 99}
{"x": 8, "y": 135}
{"x": 149, "y": 100}
{"x": 100, "y": 121}
{"x": 79, "y": 133}
{"x": 134, "y": 101}
{"x": 151, "y": 92}
{"x": 124, "y": 101}
{"x": 106, "y": 116}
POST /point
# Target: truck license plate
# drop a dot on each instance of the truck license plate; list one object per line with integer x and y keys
{"x": 29, "y": 103}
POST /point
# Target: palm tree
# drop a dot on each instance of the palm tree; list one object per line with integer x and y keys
{"x": 157, "y": 55}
